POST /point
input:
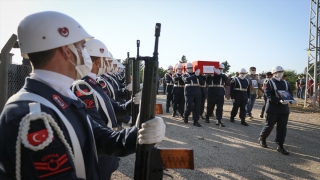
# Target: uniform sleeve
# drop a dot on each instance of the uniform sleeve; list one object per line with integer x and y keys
{"x": 270, "y": 93}
{"x": 232, "y": 86}
{"x": 201, "y": 79}
{"x": 121, "y": 110}
{"x": 190, "y": 78}
{"x": 209, "y": 79}
{"x": 115, "y": 143}
{"x": 177, "y": 78}
{"x": 224, "y": 77}
{"x": 168, "y": 78}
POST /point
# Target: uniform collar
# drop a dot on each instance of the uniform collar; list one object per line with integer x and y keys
{"x": 58, "y": 82}
{"x": 54, "y": 96}
{"x": 92, "y": 75}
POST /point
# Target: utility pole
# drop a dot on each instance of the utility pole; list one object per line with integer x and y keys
{"x": 313, "y": 51}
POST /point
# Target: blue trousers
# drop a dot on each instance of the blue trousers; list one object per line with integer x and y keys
{"x": 178, "y": 103}
{"x": 271, "y": 120}
{"x": 192, "y": 105}
{"x": 239, "y": 103}
{"x": 169, "y": 99}
{"x": 252, "y": 99}
{"x": 302, "y": 92}
{"x": 203, "y": 100}
{"x": 215, "y": 100}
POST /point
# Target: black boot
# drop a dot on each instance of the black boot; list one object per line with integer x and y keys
{"x": 173, "y": 113}
{"x": 195, "y": 123}
{"x": 207, "y": 119}
{"x": 243, "y": 122}
{"x": 185, "y": 119}
{"x": 282, "y": 150}
{"x": 261, "y": 115}
{"x": 262, "y": 142}
{"x": 167, "y": 110}
{"x": 219, "y": 123}
{"x": 232, "y": 119}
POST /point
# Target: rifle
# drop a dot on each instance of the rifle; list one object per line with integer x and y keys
{"x": 128, "y": 74}
{"x": 135, "y": 85}
{"x": 161, "y": 158}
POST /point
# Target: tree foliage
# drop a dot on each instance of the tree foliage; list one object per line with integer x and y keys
{"x": 226, "y": 66}
{"x": 183, "y": 59}
{"x": 291, "y": 78}
{"x": 161, "y": 72}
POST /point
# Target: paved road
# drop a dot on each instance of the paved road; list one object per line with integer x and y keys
{"x": 233, "y": 152}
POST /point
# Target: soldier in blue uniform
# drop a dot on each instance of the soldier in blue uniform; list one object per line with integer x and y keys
{"x": 216, "y": 94}
{"x": 192, "y": 93}
{"x": 268, "y": 76}
{"x": 178, "y": 92}
{"x": 100, "y": 106}
{"x": 169, "y": 87}
{"x": 45, "y": 131}
{"x": 240, "y": 91}
{"x": 277, "y": 110}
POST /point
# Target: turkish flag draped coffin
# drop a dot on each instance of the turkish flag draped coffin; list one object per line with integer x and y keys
{"x": 206, "y": 67}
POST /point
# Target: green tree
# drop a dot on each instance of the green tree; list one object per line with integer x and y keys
{"x": 183, "y": 59}
{"x": 291, "y": 78}
{"x": 226, "y": 66}
{"x": 161, "y": 72}
{"x": 232, "y": 74}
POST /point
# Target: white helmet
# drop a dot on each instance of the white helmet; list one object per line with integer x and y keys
{"x": 48, "y": 30}
{"x": 189, "y": 65}
{"x": 170, "y": 67}
{"x": 179, "y": 66}
{"x": 221, "y": 66}
{"x": 243, "y": 71}
{"x": 96, "y": 48}
{"x": 276, "y": 69}
{"x": 121, "y": 65}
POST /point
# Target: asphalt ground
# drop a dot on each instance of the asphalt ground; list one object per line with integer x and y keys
{"x": 233, "y": 152}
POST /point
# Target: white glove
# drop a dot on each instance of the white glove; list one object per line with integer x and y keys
{"x": 217, "y": 71}
{"x": 233, "y": 100}
{"x": 197, "y": 72}
{"x": 248, "y": 100}
{"x": 283, "y": 102}
{"x": 137, "y": 98}
{"x": 152, "y": 131}
{"x": 129, "y": 87}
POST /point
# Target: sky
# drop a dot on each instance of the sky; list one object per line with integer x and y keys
{"x": 260, "y": 33}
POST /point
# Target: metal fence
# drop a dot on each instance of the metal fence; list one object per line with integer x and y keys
{"x": 16, "y": 77}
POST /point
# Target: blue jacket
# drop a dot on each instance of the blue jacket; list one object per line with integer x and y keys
{"x": 191, "y": 78}
{"x": 178, "y": 82}
{"x": 239, "y": 94}
{"x": 273, "y": 102}
{"x": 216, "y": 80}
{"x": 107, "y": 141}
